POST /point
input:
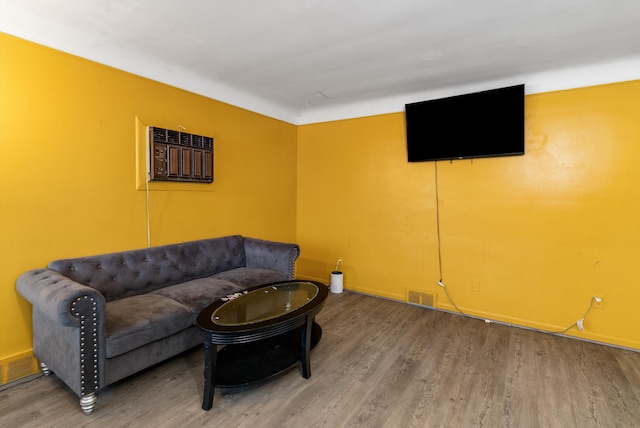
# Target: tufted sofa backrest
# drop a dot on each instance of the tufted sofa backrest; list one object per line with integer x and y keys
{"x": 127, "y": 273}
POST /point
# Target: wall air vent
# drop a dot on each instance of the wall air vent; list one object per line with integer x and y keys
{"x": 180, "y": 156}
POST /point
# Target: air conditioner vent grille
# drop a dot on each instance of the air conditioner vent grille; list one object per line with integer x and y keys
{"x": 173, "y": 137}
{"x": 180, "y": 156}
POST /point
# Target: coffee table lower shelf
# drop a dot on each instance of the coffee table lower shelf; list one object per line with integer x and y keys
{"x": 249, "y": 363}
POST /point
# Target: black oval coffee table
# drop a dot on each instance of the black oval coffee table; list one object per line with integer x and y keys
{"x": 267, "y": 330}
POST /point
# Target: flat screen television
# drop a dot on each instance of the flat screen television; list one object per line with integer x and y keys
{"x": 481, "y": 124}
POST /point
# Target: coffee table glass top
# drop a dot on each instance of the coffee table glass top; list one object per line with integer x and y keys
{"x": 264, "y": 304}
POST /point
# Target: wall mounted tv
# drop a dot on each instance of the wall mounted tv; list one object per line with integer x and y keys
{"x": 481, "y": 124}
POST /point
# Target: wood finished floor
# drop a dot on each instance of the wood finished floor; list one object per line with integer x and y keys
{"x": 379, "y": 364}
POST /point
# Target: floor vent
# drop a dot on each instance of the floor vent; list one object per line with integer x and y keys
{"x": 422, "y": 299}
{"x": 17, "y": 369}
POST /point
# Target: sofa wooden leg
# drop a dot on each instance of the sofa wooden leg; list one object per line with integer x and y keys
{"x": 88, "y": 403}
{"x": 45, "y": 370}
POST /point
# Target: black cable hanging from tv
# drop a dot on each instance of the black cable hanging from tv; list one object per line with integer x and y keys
{"x": 440, "y": 281}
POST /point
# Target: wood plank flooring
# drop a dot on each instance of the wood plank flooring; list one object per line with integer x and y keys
{"x": 379, "y": 364}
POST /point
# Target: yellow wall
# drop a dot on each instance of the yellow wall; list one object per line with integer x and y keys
{"x": 538, "y": 235}
{"x": 68, "y": 170}
{"x": 525, "y": 240}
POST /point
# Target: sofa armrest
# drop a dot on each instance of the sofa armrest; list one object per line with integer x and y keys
{"x": 59, "y": 298}
{"x": 279, "y": 256}
{"x": 68, "y": 328}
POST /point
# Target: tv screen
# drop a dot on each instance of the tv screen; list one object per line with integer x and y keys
{"x": 476, "y": 125}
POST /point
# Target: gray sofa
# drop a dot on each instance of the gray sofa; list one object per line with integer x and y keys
{"x": 99, "y": 319}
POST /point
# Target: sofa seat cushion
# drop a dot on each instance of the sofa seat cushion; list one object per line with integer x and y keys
{"x": 199, "y": 293}
{"x": 135, "y": 321}
{"x": 248, "y": 277}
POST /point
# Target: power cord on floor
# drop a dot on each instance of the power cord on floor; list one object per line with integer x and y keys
{"x": 441, "y": 284}
{"x": 580, "y": 322}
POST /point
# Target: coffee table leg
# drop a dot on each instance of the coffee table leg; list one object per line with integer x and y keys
{"x": 210, "y": 359}
{"x": 305, "y": 348}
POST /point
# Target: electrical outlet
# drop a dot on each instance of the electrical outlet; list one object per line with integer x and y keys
{"x": 475, "y": 285}
{"x": 598, "y": 302}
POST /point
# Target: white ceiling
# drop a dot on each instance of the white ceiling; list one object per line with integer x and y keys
{"x": 305, "y": 61}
